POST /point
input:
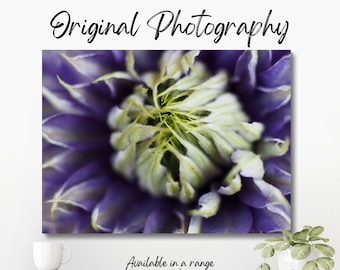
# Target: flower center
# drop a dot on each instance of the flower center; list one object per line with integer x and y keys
{"x": 178, "y": 129}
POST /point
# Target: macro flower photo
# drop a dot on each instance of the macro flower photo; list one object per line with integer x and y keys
{"x": 148, "y": 141}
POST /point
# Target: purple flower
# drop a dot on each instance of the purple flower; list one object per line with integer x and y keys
{"x": 166, "y": 141}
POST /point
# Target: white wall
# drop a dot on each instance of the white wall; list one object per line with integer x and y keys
{"x": 316, "y": 132}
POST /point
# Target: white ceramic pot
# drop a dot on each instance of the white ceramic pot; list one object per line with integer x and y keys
{"x": 286, "y": 262}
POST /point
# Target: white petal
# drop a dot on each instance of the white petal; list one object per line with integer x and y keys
{"x": 234, "y": 186}
{"x": 124, "y": 161}
{"x": 249, "y": 163}
{"x": 151, "y": 173}
{"x": 208, "y": 205}
{"x": 251, "y": 131}
{"x": 273, "y": 147}
{"x": 118, "y": 118}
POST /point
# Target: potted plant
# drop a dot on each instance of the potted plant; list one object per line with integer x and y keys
{"x": 302, "y": 250}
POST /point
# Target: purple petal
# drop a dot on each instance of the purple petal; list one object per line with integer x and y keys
{"x": 85, "y": 187}
{"x": 67, "y": 161}
{"x": 118, "y": 199}
{"x": 223, "y": 59}
{"x": 50, "y": 151}
{"x": 77, "y": 67}
{"x": 93, "y": 64}
{"x": 271, "y": 208}
{"x": 270, "y": 219}
{"x": 278, "y": 54}
{"x": 80, "y": 66}
{"x": 52, "y": 181}
{"x": 245, "y": 75}
{"x": 266, "y": 103}
{"x": 59, "y": 100}
{"x": 119, "y": 56}
{"x": 267, "y": 58}
{"x": 90, "y": 170}
{"x": 278, "y": 122}
{"x": 278, "y": 74}
{"x": 90, "y": 97}
{"x": 162, "y": 219}
{"x": 264, "y": 60}
{"x": 75, "y": 132}
{"x": 251, "y": 195}
{"x": 48, "y": 109}
{"x": 257, "y": 193}
{"x": 54, "y": 64}
{"x": 146, "y": 60}
{"x": 67, "y": 220}
{"x": 278, "y": 174}
{"x": 133, "y": 221}
{"x": 233, "y": 217}
{"x": 86, "y": 194}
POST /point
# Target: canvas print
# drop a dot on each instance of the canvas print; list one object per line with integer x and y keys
{"x": 150, "y": 141}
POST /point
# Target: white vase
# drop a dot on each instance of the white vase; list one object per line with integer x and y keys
{"x": 286, "y": 262}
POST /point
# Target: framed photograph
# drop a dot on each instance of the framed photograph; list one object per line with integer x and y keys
{"x": 150, "y": 141}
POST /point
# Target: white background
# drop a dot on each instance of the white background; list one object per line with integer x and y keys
{"x": 25, "y": 31}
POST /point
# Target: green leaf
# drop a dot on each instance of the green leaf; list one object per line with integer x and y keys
{"x": 318, "y": 238}
{"x": 301, "y": 236}
{"x": 263, "y": 266}
{"x": 260, "y": 246}
{"x": 317, "y": 231}
{"x": 287, "y": 235}
{"x": 325, "y": 263}
{"x": 301, "y": 251}
{"x": 273, "y": 239}
{"x": 268, "y": 252}
{"x": 325, "y": 249}
{"x": 307, "y": 227}
{"x": 311, "y": 265}
{"x": 282, "y": 245}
